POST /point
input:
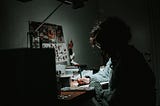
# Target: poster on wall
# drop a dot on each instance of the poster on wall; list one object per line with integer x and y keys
{"x": 49, "y": 36}
{"x": 60, "y": 51}
{"x": 47, "y": 33}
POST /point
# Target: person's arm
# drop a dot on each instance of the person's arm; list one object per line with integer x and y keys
{"x": 103, "y": 75}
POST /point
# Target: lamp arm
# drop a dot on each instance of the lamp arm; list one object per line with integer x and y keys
{"x": 48, "y": 16}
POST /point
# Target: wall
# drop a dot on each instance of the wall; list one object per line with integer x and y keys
{"x": 154, "y": 14}
{"x": 76, "y": 24}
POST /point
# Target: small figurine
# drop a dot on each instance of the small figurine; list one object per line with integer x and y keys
{"x": 71, "y": 53}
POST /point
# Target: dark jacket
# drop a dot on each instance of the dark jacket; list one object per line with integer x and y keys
{"x": 132, "y": 82}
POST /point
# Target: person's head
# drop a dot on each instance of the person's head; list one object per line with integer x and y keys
{"x": 113, "y": 33}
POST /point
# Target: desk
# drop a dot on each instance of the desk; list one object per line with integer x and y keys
{"x": 75, "y": 98}
{"x": 78, "y": 97}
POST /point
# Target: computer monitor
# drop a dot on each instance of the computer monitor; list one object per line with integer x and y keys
{"x": 28, "y": 77}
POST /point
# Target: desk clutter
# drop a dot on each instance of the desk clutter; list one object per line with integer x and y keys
{"x": 67, "y": 78}
{"x": 72, "y": 71}
{"x": 70, "y": 92}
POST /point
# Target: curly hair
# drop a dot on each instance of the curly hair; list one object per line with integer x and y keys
{"x": 112, "y": 32}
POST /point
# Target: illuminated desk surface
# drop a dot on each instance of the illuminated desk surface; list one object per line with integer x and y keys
{"x": 70, "y": 95}
{"x": 75, "y": 98}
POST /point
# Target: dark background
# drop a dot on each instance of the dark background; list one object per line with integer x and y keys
{"x": 142, "y": 15}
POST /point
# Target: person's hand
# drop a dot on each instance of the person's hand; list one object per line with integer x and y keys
{"x": 83, "y": 81}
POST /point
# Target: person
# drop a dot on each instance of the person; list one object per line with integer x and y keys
{"x": 103, "y": 75}
{"x": 131, "y": 82}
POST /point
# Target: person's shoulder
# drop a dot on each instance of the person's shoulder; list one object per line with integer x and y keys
{"x": 133, "y": 50}
{"x": 135, "y": 55}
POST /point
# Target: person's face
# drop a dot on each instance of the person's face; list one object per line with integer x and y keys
{"x": 106, "y": 47}
{"x": 93, "y": 40}
{"x": 94, "y": 43}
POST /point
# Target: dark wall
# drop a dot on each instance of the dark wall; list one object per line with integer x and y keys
{"x": 76, "y": 24}
{"x": 154, "y": 15}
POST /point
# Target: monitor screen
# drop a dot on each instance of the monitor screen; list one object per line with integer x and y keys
{"x": 28, "y": 76}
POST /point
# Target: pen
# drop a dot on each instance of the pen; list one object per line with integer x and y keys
{"x": 80, "y": 72}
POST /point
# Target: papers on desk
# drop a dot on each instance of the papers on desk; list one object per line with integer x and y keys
{"x": 71, "y": 70}
{"x": 83, "y": 73}
{"x": 79, "y": 88}
{"x": 87, "y": 85}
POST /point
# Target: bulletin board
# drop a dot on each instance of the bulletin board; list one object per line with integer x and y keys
{"x": 49, "y": 36}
